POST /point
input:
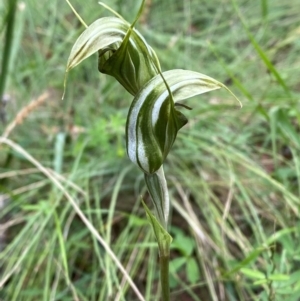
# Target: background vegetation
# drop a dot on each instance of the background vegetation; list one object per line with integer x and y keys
{"x": 233, "y": 173}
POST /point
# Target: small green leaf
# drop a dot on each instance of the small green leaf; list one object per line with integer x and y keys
{"x": 295, "y": 277}
{"x": 176, "y": 264}
{"x": 135, "y": 221}
{"x": 163, "y": 238}
{"x": 157, "y": 187}
{"x": 255, "y": 274}
{"x": 273, "y": 277}
{"x": 183, "y": 243}
{"x": 277, "y": 236}
{"x": 278, "y": 277}
{"x": 192, "y": 271}
{"x": 252, "y": 256}
{"x": 261, "y": 281}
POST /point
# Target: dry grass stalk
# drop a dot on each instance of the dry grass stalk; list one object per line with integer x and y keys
{"x": 19, "y": 119}
{"x": 74, "y": 203}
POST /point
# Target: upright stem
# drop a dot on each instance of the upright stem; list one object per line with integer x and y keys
{"x": 164, "y": 274}
{"x": 157, "y": 187}
{"x": 10, "y": 21}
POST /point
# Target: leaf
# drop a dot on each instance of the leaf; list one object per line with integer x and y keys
{"x": 153, "y": 120}
{"x": 62, "y": 245}
{"x": 157, "y": 187}
{"x": 287, "y": 128}
{"x": 252, "y": 256}
{"x": 135, "y": 221}
{"x": 255, "y": 274}
{"x": 192, "y": 271}
{"x": 163, "y": 238}
{"x": 182, "y": 243}
{"x": 282, "y": 235}
{"x": 261, "y": 281}
{"x": 272, "y": 277}
{"x": 295, "y": 277}
{"x": 278, "y": 277}
{"x": 176, "y": 264}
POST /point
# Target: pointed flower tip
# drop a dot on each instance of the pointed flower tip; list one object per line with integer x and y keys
{"x": 65, "y": 84}
{"x": 112, "y": 11}
{"x": 240, "y": 103}
{"x": 230, "y": 92}
{"x": 138, "y": 14}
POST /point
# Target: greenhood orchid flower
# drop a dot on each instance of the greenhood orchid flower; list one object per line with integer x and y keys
{"x": 154, "y": 120}
{"x": 123, "y": 52}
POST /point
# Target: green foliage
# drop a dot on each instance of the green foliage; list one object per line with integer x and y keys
{"x": 185, "y": 245}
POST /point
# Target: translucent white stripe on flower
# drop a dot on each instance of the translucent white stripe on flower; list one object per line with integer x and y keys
{"x": 131, "y": 124}
{"x": 166, "y": 201}
{"x": 143, "y": 158}
{"x": 99, "y": 35}
{"x": 157, "y": 106}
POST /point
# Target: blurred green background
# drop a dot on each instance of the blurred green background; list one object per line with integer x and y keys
{"x": 233, "y": 173}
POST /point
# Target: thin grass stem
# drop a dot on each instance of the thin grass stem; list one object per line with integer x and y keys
{"x": 7, "y": 45}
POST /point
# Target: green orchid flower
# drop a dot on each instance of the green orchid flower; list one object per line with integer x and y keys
{"x": 122, "y": 50}
{"x": 154, "y": 119}
{"x": 152, "y": 125}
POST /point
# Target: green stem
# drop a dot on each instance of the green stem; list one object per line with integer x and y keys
{"x": 10, "y": 20}
{"x": 164, "y": 258}
{"x": 164, "y": 241}
{"x": 157, "y": 187}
